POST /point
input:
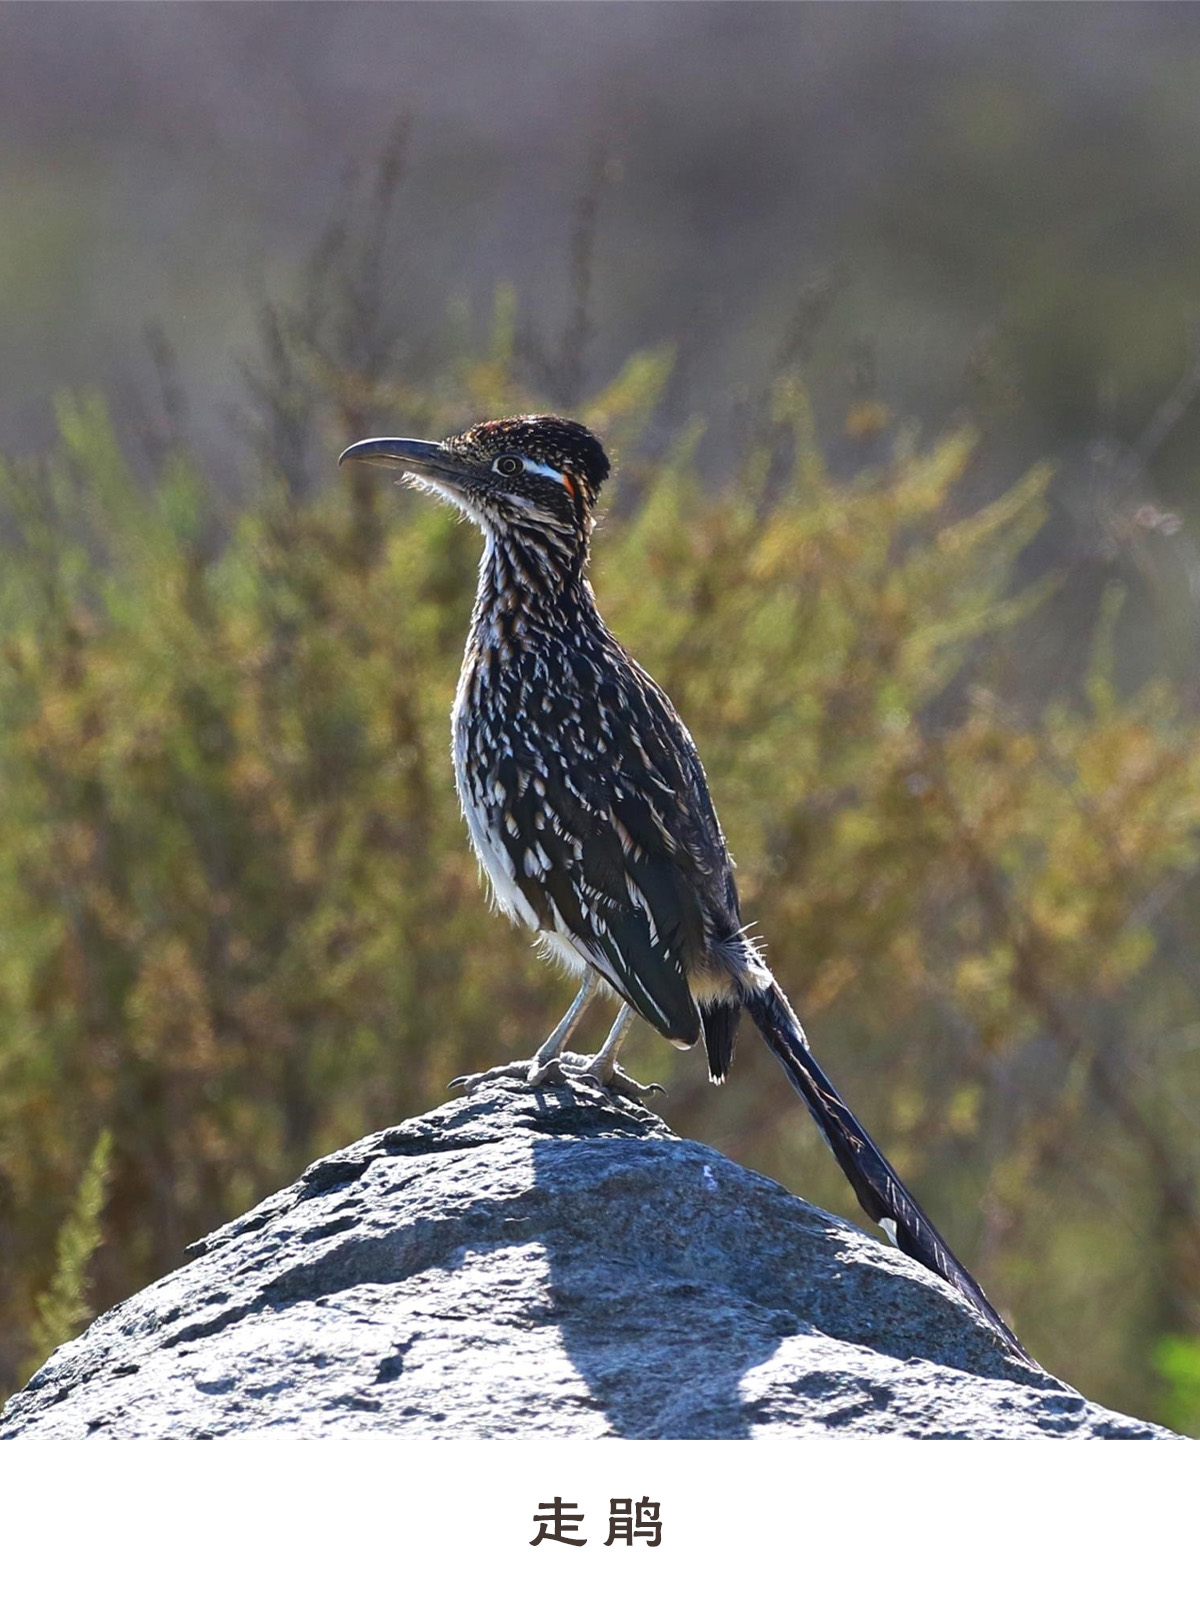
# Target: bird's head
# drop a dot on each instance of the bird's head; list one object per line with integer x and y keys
{"x": 544, "y": 471}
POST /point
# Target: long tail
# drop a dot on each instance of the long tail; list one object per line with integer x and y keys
{"x": 880, "y": 1192}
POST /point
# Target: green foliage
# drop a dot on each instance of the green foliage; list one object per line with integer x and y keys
{"x": 1178, "y": 1362}
{"x": 239, "y": 923}
{"x": 63, "y": 1309}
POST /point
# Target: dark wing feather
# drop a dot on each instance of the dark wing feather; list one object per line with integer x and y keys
{"x": 627, "y": 853}
{"x": 625, "y": 910}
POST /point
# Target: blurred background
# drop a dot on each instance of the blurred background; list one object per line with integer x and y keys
{"x": 890, "y": 318}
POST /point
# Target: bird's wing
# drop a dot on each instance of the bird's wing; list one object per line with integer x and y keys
{"x": 627, "y": 859}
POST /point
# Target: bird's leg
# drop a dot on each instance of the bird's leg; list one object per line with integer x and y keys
{"x": 545, "y": 1068}
{"x": 603, "y": 1065}
{"x": 548, "y": 1067}
{"x": 553, "y": 1046}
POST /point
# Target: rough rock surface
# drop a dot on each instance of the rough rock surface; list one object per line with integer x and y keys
{"x": 544, "y": 1263}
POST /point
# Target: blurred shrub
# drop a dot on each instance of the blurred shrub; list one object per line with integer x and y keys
{"x": 63, "y": 1309}
{"x": 239, "y": 923}
{"x": 1178, "y": 1362}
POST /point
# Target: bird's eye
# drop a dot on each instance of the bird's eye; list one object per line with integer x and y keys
{"x": 507, "y": 466}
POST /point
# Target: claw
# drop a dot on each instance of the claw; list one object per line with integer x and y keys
{"x": 621, "y": 1083}
{"x": 470, "y": 1081}
{"x": 559, "y": 1074}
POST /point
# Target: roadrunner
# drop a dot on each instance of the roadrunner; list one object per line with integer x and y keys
{"x": 588, "y": 807}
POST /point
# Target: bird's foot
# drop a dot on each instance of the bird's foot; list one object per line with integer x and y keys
{"x": 618, "y": 1082}
{"x": 563, "y": 1071}
{"x": 514, "y": 1071}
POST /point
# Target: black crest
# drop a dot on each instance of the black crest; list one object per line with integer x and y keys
{"x": 554, "y": 441}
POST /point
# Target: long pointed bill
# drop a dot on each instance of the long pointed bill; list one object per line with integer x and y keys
{"x": 425, "y": 458}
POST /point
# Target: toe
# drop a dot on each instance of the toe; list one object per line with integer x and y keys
{"x": 544, "y": 1073}
{"x": 621, "y": 1083}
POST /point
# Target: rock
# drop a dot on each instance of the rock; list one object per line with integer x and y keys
{"x": 544, "y": 1263}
